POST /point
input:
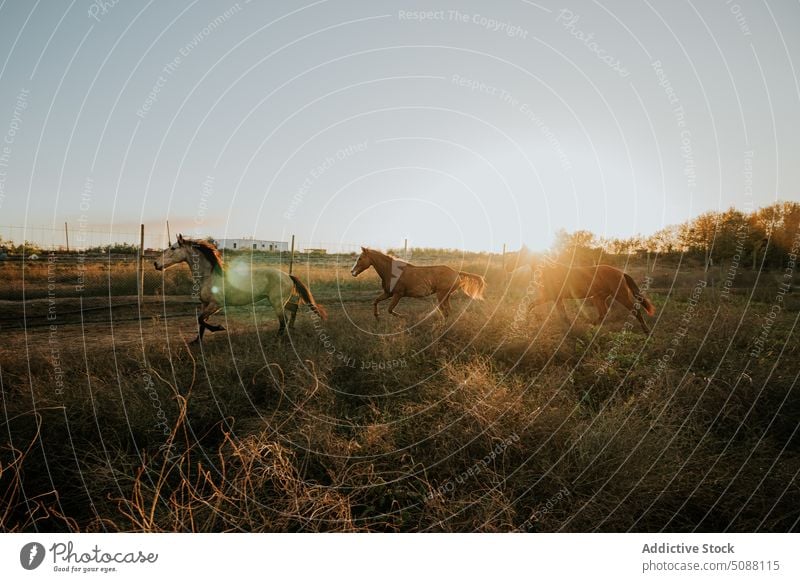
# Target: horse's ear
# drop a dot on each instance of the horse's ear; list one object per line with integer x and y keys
{"x": 363, "y": 249}
{"x": 180, "y": 239}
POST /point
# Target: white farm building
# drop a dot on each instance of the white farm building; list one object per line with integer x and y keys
{"x": 251, "y": 244}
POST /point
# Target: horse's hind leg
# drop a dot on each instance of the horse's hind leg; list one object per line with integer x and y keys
{"x": 291, "y": 307}
{"x": 446, "y": 306}
{"x": 600, "y": 304}
{"x": 281, "y": 323}
{"x": 562, "y": 309}
{"x": 638, "y": 312}
{"x": 444, "y": 302}
{"x": 625, "y": 300}
{"x": 280, "y": 304}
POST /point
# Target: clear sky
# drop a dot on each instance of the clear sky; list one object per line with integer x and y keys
{"x": 453, "y": 124}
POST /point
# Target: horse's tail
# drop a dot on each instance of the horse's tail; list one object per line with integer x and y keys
{"x": 646, "y": 304}
{"x": 473, "y": 285}
{"x": 305, "y": 295}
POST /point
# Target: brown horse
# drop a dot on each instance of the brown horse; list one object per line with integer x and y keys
{"x": 557, "y": 282}
{"x": 402, "y": 279}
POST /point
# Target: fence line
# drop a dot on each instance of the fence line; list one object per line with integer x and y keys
{"x": 70, "y": 237}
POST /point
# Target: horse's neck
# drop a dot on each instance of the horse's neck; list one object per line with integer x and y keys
{"x": 383, "y": 266}
{"x": 200, "y": 266}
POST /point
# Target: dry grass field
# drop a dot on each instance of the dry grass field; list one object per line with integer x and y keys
{"x": 497, "y": 420}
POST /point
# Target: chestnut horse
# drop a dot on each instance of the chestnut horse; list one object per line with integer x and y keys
{"x": 402, "y": 279}
{"x": 216, "y": 285}
{"x": 557, "y": 282}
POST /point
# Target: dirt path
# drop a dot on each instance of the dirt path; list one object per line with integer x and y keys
{"x": 71, "y": 325}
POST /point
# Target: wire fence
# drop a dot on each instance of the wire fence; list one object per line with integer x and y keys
{"x": 18, "y": 241}
{"x": 74, "y": 237}
{"x": 50, "y": 262}
{"x": 115, "y": 264}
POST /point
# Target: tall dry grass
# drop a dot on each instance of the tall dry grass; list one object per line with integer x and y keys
{"x": 494, "y": 422}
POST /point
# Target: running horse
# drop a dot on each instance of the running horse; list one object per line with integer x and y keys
{"x": 217, "y": 285}
{"x": 557, "y": 282}
{"x": 402, "y": 279}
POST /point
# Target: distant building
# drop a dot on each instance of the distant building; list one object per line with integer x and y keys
{"x": 251, "y": 244}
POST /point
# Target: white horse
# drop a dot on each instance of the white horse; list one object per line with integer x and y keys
{"x": 217, "y": 286}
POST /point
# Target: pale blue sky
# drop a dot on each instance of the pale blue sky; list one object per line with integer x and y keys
{"x": 480, "y": 125}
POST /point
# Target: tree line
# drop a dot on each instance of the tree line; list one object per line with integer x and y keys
{"x": 764, "y": 238}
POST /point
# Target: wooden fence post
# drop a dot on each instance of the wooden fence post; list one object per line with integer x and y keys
{"x": 140, "y": 267}
{"x": 291, "y": 257}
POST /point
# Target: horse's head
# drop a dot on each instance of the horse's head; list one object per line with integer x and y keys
{"x": 522, "y": 258}
{"x": 363, "y": 263}
{"x": 177, "y": 253}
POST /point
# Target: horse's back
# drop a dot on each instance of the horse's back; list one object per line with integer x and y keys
{"x": 421, "y": 280}
{"x": 582, "y": 281}
{"x": 610, "y": 276}
{"x": 439, "y": 273}
{"x": 251, "y": 285}
{"x": 278, "y": 281}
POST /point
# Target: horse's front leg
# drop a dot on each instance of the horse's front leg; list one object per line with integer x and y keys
{"x": 393, "y": 303}
{"x": 382, "y": 297}
{"x": 207, "y": 311}
{"x": 200, "y": 331}
{"x": 536, "y": 303}
{"x": 212, "y": 328}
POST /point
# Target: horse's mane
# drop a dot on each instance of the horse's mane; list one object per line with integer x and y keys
{"x": 387, "y": 255}
{"x": 209, "y": 251}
